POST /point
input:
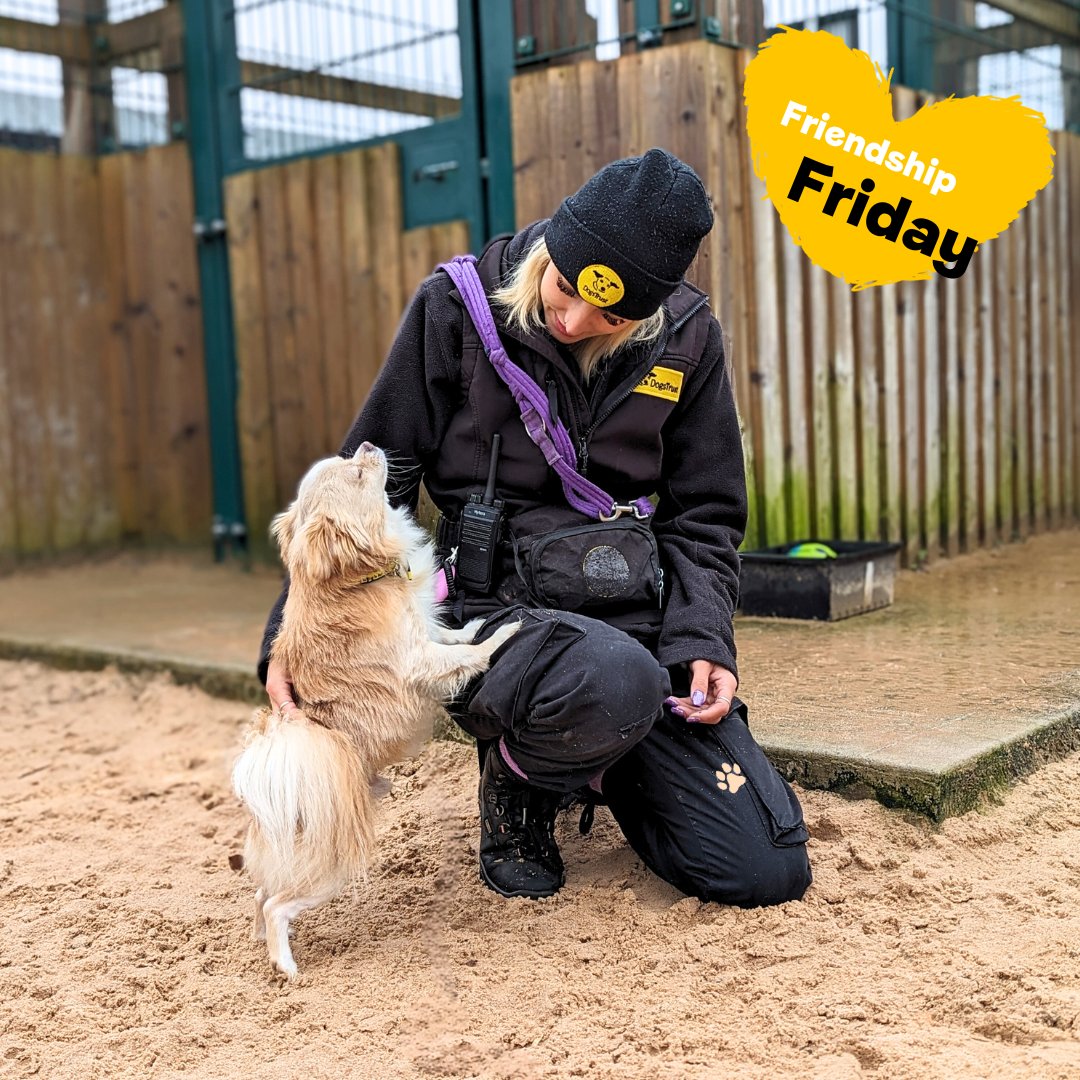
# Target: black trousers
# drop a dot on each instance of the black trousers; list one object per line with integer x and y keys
{"x": 574, "y": 698}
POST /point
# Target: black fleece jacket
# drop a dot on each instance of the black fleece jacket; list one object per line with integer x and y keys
{"x": 437, "y": 403}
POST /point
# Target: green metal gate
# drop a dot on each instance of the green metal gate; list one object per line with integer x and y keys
{"x": 272, "y": 80}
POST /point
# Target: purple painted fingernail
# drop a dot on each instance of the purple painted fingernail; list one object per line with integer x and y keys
{"x": 697, "y": 697}
{"x": 677, "y": 711}
{"x": 671, "y": 701}
{"x": 693, "y": 719}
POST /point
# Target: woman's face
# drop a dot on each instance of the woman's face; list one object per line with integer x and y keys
{"x": 570, "y": 319}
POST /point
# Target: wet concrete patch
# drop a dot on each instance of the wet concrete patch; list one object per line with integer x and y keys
{"x": 970, "y": 680}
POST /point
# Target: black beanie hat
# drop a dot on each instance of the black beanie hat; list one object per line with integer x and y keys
{"x": 625, "y": 239}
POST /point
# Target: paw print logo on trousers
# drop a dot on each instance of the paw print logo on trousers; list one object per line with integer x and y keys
{"x": 729, "y": 778}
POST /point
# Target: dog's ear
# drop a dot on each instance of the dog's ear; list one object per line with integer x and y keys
{"x": 331, "y": 549}
{"x": 283, "y": 530}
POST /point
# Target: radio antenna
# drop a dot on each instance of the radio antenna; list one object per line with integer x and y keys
{"x": 489, "y": 491}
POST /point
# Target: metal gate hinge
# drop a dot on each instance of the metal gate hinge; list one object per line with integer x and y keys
{"x": 209, "y": 230}
{"x": 228, "y": 536}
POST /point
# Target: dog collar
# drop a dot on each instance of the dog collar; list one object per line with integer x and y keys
{"x": 394, "y": 567}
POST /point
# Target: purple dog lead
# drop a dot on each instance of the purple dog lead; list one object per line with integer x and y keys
{"x": 552, "y": 438}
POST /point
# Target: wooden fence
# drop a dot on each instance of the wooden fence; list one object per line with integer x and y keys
{"x": 321, "y": 272}
{"x": 103, "y": 431}
{"x": 942, "y": 414}
{"x": 103, "y": 413}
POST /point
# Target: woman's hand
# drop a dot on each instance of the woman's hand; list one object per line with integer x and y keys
{"x": 279, "y": 687}
{"x": 711, "y": 689}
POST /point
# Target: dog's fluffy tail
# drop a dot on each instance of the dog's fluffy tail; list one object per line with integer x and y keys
{"x": 311, "y": 805}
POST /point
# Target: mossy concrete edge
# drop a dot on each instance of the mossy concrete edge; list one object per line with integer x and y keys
{"x": 943, "y": 794}
{"x": 935, "y": 794}
{"x": 219, "y": 680}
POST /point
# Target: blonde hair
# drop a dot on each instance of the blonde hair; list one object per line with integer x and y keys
{"x": 524, "y": 310}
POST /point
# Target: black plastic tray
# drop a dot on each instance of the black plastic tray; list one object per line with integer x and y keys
{"x": 861, "y": 578}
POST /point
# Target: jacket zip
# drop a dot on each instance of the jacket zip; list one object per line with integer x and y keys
{"x": 553, "y": 400}
{"x": 687, "y": 316}
{"x": 575, "y": 430}
{"x": 553, "y": 408}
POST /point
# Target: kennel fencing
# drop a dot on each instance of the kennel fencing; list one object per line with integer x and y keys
{"x": 199, "y": 116}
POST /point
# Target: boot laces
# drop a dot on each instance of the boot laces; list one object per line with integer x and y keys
{"x": 527, "y": 834}
{"x": 588, "y": 802}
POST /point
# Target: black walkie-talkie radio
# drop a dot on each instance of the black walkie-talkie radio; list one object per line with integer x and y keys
{"x": 481, "y": 526}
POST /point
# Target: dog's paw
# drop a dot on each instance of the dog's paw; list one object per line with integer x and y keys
{"x": 502, "y": 635}
{"x": 289, "y": 970}
{"x": 285, "y": 966}
{"x": 470, "y": 630}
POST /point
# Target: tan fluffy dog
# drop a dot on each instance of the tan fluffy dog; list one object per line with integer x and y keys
{"x": 370, "y": 666}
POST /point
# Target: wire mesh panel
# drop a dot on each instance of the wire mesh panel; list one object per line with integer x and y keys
{"x": 1038, "y": 75}
{"x": 1035, "y": 75}
{"x": 948, "y": 47}
{"x": 122, "y": 10}
{"x": 945, "y": 47}
{"x": 60, "y": 84}
{"x": 141, "y": 104}
{"x": 319, "y": 73}
{"x": 39, "y": 11}
{"x": 561, "y": 31}
{"x": 862, "y": 25}
{"x": 31, "y": 100}
{"x": 31, "y": 84}
{"x": 138, "y": 88}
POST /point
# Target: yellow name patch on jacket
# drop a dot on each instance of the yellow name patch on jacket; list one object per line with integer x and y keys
{"x": 661, "y": 382}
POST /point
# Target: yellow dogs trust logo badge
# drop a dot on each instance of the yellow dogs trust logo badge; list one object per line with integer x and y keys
{"x": 661, "y": 382}
{"x": 600, "y": 285}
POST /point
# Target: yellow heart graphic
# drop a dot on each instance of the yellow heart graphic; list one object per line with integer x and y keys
{"x": 873, "y": 200}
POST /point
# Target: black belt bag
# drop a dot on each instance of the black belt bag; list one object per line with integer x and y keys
{"x": 580, "y": 564}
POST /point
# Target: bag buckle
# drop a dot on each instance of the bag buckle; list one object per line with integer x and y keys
{"x": 617, "y": 511}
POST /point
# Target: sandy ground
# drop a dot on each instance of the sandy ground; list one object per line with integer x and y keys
{"x": 125, "y": 946}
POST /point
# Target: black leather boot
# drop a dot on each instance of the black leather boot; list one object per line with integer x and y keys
{"x": 518, "y": 853}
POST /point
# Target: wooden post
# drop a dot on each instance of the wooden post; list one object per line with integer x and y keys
{"x": 556, "y": 26}
{"x": 748, "y": 22}
{"x": 172, "y": 65}
{"x": 959, "y": 76}
{"x": 88, "y": 105}
{"x": 1070, "y": 61}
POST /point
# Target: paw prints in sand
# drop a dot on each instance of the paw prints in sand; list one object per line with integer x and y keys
{"x": 729, "y": 778}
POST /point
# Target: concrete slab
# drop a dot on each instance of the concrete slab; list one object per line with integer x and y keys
{"x": 185, "y": 614}
{"x": 971, "y": 679}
